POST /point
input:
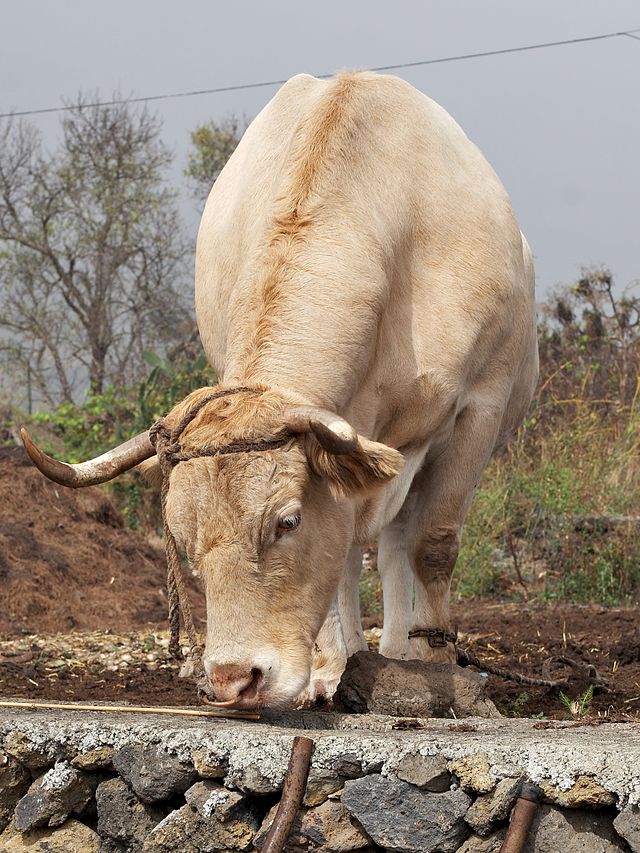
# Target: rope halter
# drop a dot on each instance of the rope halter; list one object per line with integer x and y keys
{"x": 166, "y": 442}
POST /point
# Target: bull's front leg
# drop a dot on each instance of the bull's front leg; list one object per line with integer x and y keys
{"x": 340, "y": 637}
{"x": 431, "y": 636}
{"x": 328, "y": 663}
{"x": 443, "y": 491}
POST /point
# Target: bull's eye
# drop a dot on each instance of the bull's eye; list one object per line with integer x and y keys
{"x": 287, "y": 523}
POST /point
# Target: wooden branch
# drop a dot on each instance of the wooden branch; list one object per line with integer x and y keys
{"x": 521, "y": 819}
{"x": 292, "y": 793}
{"x": 129, "y": 709}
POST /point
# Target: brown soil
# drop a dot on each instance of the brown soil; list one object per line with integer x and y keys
{"x": 67, "y": 561}
{"x": 83, "y": 609}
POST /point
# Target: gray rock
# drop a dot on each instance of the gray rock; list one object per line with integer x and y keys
{"x": 491, "y": 844}
{"x": 328, "y": 828}
{"x": 108, "y": 845}
{"x": 400, "y": 817}
{"x": 427, "y": 772}
{"x": 208, "y": 766}
{"x": 19, "y": 745}
{"x": 493, "y": 808}
{"x": 122, "y": 817}
{"x": 627, "y": 824}
{"x": 59, "y": 792}
{"x": 374, "y": 684}
{"x": 152, "y": 772}
{"x": 72, "y": 837}
{"x": 210, "y": 799}
{"x": 100, "y": 758}
{"x": 251, "y": 780}
{"x": 572, "y": 831}
{"x": 474, "y": 773}
{"x": 187, "y": 829}
{"x": 14, "y": 782}
{"x": 320, "y": 785}
{"x": 348, "y": 765}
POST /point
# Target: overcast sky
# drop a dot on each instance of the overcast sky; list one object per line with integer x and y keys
{"x": 561, "y": 126}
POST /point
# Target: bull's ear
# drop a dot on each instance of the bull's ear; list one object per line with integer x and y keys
{"x": 369, "y": 465}
{"x": 150, "y": 470}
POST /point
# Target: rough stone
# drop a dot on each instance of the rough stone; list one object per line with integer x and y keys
{"x": 348, "y": 765}
{"x": 331, "y": 827}
{"x": 400, "y": 817}
{"x": 95, "y": 759}
{"x": 19, "y": 745}
{"x": 14, "y": 782}
{"x": 206, "y": 766}
{"x": 320, "y": 785}
{"x": 208, "y": 799}
{"x": 108, "y": 845}
{"x": 71, "y": 837}
{"x": 374, "y": 684}
{"x": 489, "y": 809}
{"x": 627, "y": 824}
{"x": 427, "y": 772}
{"x": 584, "y": 793}
{"x": 474, "y": 773}
{"x": 121, "y": 815}
{"x": 491, "y": 844}
{"x": 328, "y": 828}
{"x": 572, "y": 831}
{"x": 187, "y": 829}
{"x": 59, "y": 792}
{"x": 252, "y": 781}
{"x": 556, "y": 751}
{"x": 153, "y": 773}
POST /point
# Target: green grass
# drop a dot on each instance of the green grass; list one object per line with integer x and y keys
{"x": 527, "y": 504}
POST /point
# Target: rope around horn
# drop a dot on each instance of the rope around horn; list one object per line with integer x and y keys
{"x": 167, "y": 446}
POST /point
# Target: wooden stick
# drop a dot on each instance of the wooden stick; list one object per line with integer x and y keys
{"x": 130, "y": 709}
{"x": 295, "y": 783}
{"x": 521, "y": 819}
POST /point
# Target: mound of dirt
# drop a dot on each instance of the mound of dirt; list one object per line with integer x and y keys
{"x": 67, "y": 561}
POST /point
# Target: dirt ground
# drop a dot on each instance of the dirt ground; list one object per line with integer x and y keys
{"x": 82, "y": 612}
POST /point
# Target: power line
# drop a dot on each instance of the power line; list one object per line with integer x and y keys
{"x": 265, "y": 83}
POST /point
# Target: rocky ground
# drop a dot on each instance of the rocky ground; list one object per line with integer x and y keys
{"x": 134, "y": 666}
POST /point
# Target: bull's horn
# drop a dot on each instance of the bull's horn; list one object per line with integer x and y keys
{"x": 333, "y": 432}
{"x": 98, "y": 470}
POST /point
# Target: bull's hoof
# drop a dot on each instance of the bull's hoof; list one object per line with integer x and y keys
{"x": 410, "y": 688}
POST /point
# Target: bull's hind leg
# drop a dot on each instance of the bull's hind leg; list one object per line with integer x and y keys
{"x": 397, "y": 588}
{"x": 349, "y": 602}
{"x": 442, "y": 493}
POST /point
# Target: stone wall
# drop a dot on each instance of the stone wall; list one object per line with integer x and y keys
{"x": 111, "y": 783}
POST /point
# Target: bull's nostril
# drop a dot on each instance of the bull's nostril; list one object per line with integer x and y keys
{"x": 231, "y": 684}
{"x": 257, "y": 680}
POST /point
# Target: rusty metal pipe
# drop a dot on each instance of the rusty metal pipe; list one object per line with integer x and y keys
{"x": 521, "y": 819}
{"x": 295, "y": 783}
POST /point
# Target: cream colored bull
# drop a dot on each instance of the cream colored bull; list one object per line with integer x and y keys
{"x": 361, "y": 273}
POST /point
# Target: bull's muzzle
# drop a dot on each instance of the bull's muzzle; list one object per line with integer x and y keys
{"x": 234, "y": 686}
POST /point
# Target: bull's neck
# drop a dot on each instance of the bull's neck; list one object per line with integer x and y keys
{"x": 313, "y": 334}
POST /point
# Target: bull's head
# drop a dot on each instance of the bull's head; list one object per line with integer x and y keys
{"x": 268, "y": 531}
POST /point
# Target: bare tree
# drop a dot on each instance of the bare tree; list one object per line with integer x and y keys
{"x": 92, "y": 257}
{"x": 213, "y": 144}
{"x": 590, "y": 338}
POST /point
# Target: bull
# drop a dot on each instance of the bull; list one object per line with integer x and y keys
{"x": 366, "y": 298}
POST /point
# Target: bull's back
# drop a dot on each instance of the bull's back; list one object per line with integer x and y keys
{"x": 392, "y": 204}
